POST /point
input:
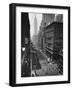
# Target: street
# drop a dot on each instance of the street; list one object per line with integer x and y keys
{"x": 47, "y": 68}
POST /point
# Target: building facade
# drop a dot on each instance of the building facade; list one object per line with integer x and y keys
{"x": 51, "y": 32}
{"x": 50, "y": 38}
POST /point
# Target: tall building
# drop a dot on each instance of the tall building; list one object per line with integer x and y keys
{"x": 50, "y": 38}
{"x": 35, "y": 35}
{"x": 35, "y": 26}
{"x": 47, "y": 19}
{"x": 48, "y": 27}
{"x": 25, "y": 29}
{"x": 25, "y": 38}
{"x": 58, "y": 18}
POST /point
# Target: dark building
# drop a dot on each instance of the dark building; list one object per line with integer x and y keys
{"x": 51, "y": 33}
{"x": 25, "y": 29}
{"x": 50, "y": 40}
{"x": 51, "y": 37}
{"x": 25, "y": 43}
{"x": 46, "y": 20}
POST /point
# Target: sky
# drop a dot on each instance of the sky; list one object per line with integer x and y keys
{"x": 31, "y": 19}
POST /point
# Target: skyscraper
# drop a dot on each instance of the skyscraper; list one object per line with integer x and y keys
{"x": 35, "y": 26}
{"x": 35, "y": 34}
{"x": 47, "y": 19}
